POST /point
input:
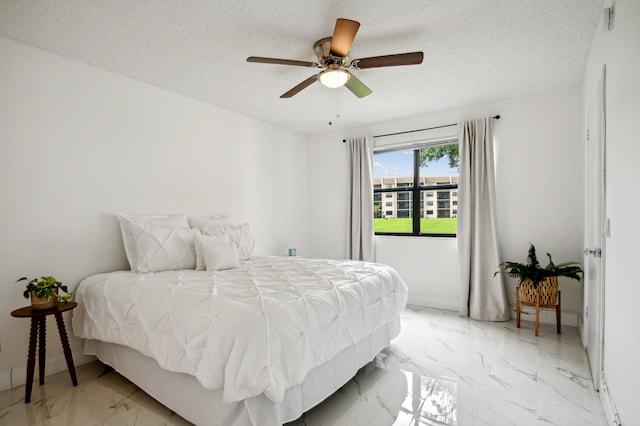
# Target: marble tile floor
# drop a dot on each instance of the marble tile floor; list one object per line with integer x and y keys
{"x": 441, "y": 370}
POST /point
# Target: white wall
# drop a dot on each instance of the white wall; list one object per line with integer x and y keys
{"x": 78, "y": 144}
{"x": 539, "y": 156}
{"x": 618, "y": 50}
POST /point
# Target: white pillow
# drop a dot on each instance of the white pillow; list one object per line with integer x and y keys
{"x": 163, "y": 249}
{"x": 210, "y": 221}
{"x": 239, "y": 236}
{"x": 199, "y": 240}
{"x": 128, "y": 237}
{"x": 220, "y": 256}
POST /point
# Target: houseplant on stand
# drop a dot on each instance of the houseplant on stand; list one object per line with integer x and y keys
{"x": 44, "y": 292}
{"x": 538, "y": 286}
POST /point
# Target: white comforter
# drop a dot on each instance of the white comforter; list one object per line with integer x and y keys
{"x": 257, "y": 329}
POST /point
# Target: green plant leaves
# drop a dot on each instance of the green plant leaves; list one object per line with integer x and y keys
{"x": 534, "y": 272}
{"x": 44, "y": 287}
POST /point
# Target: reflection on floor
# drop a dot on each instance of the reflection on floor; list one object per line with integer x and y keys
{"x": 381, "y": 396}
{"x": 442, "y": 370}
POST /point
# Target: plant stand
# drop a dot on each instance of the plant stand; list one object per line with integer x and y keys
{"x": 546, "y": 295}
{"x": 37, "y": 337}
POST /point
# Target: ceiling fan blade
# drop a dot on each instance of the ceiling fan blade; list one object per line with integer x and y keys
{"x": 343, "y": 35}
{"x": 412, "y": 58}
{"x": 281, "y": 62}
{"x": 357, "y": 87}
{"x": 308, "y": 82}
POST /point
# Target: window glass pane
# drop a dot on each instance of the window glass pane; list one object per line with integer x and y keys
{"x": 393, "y": 170}
{"x": 439, "y": 166}
{"x": 437, "y": 180}
{"x": 438, "y": 221}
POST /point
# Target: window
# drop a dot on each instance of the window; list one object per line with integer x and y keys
{"x": 423, "y": 179}
{"x": 389, "y": 204}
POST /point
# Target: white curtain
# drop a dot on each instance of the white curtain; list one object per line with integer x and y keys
{"x": 483, "y": 296}
{"x": 360, "y": 202}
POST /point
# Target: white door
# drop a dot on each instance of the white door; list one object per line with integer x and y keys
{"x": 595, "y": 230}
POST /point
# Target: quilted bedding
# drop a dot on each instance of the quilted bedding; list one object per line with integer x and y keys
{"x": 255, "y": 330}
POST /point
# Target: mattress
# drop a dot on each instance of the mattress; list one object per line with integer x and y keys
{"x": 252, "y": 333}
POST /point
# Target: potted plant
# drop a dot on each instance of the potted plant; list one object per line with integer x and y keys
{"x": 44, "y": 292}
{"x": 535, "y": 274}
{"x": 538, "y": 286}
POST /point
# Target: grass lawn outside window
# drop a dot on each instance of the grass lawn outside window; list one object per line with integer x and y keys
{"x": 404, "y": 225}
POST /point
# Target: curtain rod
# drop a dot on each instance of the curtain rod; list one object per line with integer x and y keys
{"x": 497, "y": 117}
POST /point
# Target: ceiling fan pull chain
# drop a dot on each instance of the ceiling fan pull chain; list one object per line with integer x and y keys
{"x": 337, "y": 109}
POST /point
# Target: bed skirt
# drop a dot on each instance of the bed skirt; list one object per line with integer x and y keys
{"x": 184, "y": 395}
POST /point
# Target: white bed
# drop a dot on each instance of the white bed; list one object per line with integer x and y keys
{"x": 255, "y": 345}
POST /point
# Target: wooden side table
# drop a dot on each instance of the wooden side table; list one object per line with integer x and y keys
{"x": 39, "y": 329}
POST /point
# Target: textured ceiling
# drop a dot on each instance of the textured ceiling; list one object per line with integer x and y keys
{"x": 475, "y": 50}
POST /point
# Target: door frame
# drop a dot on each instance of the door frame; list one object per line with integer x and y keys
{"x": 598, "y": 101}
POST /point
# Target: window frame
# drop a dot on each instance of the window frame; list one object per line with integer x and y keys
{"x": 415, "y": 190}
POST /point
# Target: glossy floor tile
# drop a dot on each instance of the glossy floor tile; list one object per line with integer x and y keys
{"x": 442, "y": 370}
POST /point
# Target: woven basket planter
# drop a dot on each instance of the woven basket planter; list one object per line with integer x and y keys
{"x": 548, "y": 290}
{"x": 546, "y": 295}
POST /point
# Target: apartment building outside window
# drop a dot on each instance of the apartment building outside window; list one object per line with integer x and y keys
{"x": 420, "y": 188}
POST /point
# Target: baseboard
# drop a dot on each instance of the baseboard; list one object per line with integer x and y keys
{"x": 547, "y": 316}
{"x": 608, "y": 406}
{"x": 18, "y": 376}
{"x": 581, "y": 331}
{"x": 432, "y": 302}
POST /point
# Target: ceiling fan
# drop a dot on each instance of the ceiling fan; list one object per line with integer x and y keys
{"x": 332, "y": 56}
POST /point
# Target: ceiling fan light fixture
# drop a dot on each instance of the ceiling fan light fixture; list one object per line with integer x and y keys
{"x": 334, "y": 78}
